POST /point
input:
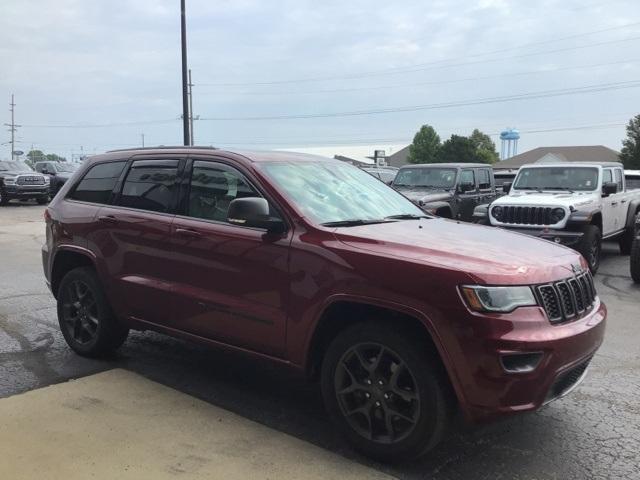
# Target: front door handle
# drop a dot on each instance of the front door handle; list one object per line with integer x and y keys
{"x": 613, "y": 204}
{"x": 187, "y": 232}
{"x": 624, "y": 201}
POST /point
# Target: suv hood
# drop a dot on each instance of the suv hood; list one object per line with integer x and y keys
{"x": 424, "y": 195}
{"x": 562, "y": 199}
{"x": 14, "y": 173}
{"x": 488, "y": 255}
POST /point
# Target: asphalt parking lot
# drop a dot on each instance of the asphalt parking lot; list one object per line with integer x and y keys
{"x": 594, "y": 433}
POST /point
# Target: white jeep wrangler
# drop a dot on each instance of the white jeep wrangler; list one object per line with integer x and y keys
{"x": 574, "y": 204}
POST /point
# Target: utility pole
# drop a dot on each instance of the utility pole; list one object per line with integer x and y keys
{"x": 142, "y": 135}
{"x": 185, "y": 102}
{"x": 190, "y": 110}
{"x": 13, "y": 128}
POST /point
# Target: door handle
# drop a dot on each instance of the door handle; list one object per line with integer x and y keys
{"x": 613, "y": 204}
{"x": 108, "y": 219}
{"x": 187, "y": 232}
{"x": 624, "y": 201}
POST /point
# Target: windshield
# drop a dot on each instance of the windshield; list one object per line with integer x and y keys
{"x": 557, "y": 178}
{"x": 426, "y": 177}
{"x": 14, "y": 167}
{"x": 335, "y": 192}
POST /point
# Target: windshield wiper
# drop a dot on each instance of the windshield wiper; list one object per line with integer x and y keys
{"x": 537, "y": 189}
{"x": 353, "y": 222}
{"x": 406, "y": 216}
{"x": 559, "y": 188}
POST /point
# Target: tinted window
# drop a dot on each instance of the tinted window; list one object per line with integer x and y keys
{"x": 97, "y": 184}
{"x": 213, "y": 187}
{"x": 484, "y": 179}
{"x": 466, "y": 177}
{"x": 150, "y": 185}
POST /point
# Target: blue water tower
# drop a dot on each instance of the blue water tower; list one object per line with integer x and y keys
{"x": 509, "y": 147}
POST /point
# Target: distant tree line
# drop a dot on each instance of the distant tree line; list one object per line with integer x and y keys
{"x": 39, "y": 156}
{"x": 476, "y": 148}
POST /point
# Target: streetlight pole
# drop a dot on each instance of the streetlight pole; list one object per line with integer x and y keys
{"x": 191, "y": 142}
{"x": 185, "y": 101}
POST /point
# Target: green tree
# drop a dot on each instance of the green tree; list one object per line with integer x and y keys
{"x": 425, "y": 147}
{"x": 485, "y": 148}
{"x": 458, "y": 149}
{"x": 36, "y": 156}
{"x": 630, "y": 154}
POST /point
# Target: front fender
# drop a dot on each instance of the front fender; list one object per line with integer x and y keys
{"x": 634, "y": 208}
{"x": 433, "y": 207}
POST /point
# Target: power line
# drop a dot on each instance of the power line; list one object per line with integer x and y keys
{"x": 441, "y": 82}
{"x": 104, "y": 125}
{"x": 417, "y": 67}
{"x": 434, "y": 106}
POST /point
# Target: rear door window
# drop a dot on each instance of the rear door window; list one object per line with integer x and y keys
{"x": 484, "y": 179}
{"x": 150, "y": 185}
{"x": 97, "y": 184}
{"x": 467, "y": 177}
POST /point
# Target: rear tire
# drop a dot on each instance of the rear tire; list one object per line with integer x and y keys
{"x": 86, "y": 320}
{"x": 386, "y": 394}
{"x": 634, "y": 265}
{"x": 590, "y": 246}
{"x": 3, "y": 198}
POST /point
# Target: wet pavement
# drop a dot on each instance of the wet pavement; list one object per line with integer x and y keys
{"x": 593, "y": 433}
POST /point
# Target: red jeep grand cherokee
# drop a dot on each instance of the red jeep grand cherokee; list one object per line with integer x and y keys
{"x": 316, "y": 264}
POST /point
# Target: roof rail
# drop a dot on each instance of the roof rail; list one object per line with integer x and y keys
{"x": 164, "y": 147}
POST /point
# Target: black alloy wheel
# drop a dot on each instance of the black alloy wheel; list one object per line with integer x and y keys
{"x": 80, "y": 312}
{"x": 377, "y": 393}
{"x": 86, "y": 320}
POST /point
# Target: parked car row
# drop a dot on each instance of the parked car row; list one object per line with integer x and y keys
{"x": 19, "y": 181}
{"x": 403, "y": 317}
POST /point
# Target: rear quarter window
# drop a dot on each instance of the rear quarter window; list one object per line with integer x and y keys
{"x": 97, "y": 184}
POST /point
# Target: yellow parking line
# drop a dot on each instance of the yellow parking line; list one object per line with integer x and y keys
{"x": 119, "y": 425}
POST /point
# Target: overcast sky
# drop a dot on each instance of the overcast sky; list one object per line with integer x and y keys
{"x": 98, "y": 74}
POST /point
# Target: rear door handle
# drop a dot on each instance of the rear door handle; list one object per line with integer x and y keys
{"x": 108, "y": 219}
{"x": 624, "y": 201}
{"x": 187, "y": 232}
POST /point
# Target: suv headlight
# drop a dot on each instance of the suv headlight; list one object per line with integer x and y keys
{"x": 497, "y": 299}
{"x": 497, "y": 212}
{"x": 557, "y": 214}
{"x": 47, "y": 180}
{"x": 9, "y": 180}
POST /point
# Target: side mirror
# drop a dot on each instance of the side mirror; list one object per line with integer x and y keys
{"x": 609, "y": 188}
{"x": 506, "y": 187}
{"x": 253, "y": 212}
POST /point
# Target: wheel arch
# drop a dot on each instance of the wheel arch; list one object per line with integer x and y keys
{"x": 633, "y": 210}
{"x": 341, "y": 313}
{"x": 65, "y": 260}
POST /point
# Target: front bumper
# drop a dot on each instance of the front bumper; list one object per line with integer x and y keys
{"x": 562, "y": 237}
{"x": 26, "y": 191}
{"x": 564, "y": 352}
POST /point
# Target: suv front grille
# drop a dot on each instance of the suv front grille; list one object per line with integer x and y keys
{"x": 527, "y": 215}
{"x": 30, "y": 180}
{"x": 567, "y": 298}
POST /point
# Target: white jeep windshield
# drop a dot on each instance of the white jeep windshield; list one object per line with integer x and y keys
{"x": 557, "y": 178}
{"x": 334, "y": 192}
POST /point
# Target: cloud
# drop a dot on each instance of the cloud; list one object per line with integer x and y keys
{"x": 73, "y": 61}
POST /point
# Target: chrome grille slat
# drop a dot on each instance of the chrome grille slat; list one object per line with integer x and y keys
{"x": 567, "y": 298}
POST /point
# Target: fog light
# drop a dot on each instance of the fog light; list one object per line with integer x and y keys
{"x": 520, "y": 362}
{"x": 557, "y": 239}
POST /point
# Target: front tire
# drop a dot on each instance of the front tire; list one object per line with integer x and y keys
{"x": 384, "y": 392}
{"x": 4, "y": 200}
{"x": 590, "y": 246}
{"x": 86, "y": 320}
